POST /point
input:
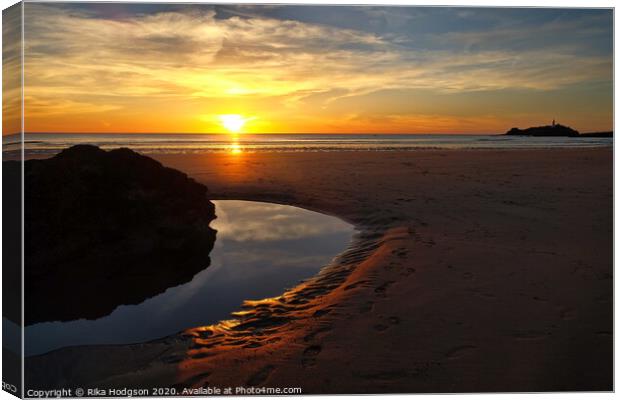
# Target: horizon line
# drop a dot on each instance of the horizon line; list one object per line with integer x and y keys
{"x": 251, "y": 133}
{"x": 275, "y": 133}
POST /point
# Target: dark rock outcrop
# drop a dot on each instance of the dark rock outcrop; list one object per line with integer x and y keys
{"x": 11, "y": 241}
{"x": 105, "y": 228}
{"x": 548, "y": 130}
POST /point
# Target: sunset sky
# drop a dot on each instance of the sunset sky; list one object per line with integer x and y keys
{"x": 303, "y": 69}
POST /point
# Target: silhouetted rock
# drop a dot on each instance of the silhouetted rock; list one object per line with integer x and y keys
{"x": 548, "y": 130}
{"x": 105, "y": 228}
{"x": 12, "y": 248}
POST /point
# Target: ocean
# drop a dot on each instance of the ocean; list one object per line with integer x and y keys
{"x": 38, "y": 144}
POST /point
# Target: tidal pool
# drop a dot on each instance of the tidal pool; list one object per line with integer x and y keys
{"x": 261, "y": 250}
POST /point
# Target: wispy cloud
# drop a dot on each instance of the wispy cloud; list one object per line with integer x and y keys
{"x": 11, "y": 70}
{"x": 77, "y": 62}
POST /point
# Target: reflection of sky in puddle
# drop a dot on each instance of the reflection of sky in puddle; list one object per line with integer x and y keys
{"x": 261, "y": 250}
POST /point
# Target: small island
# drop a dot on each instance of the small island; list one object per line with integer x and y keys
{"x": 547, "y": 130}
{"x": 556, "y": 130}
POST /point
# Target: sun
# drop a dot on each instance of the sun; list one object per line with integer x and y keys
{"x": 233, "y": 122}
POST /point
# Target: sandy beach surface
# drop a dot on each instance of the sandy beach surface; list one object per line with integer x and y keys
{"x": 473, "y": 270}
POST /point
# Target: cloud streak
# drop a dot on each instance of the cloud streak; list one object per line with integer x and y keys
{"x": 80, "y": 63}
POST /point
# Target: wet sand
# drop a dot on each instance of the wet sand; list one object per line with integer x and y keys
{"x": 474, "y": 270}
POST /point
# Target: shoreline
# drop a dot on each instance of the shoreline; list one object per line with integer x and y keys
{"x": 439, "y": 264}
{"x": 191, "y": 144}
{"x": 29, "y": 154}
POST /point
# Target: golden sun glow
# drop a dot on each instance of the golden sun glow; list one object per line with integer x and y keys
{"x": 233, "y": 122}
{"x": 235, "y": 148}
{"x": 240, "y": 74}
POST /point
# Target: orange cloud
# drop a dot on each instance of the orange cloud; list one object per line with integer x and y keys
{"x": 165, "y": 72}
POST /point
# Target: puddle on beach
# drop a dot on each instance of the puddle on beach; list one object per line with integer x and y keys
{"x": 261, "y": 250}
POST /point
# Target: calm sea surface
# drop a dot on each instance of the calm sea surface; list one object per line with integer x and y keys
{"x": 195, "y": 143}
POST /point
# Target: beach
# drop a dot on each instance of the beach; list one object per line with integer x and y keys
{"x": 315, "y": 199}
{"x": 472, "y": 270}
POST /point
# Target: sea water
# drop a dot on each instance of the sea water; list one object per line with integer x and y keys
{"x": 41, "y": 144}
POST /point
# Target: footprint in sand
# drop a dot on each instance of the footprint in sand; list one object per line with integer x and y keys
{"x": 401, "y": 252}
{"x": 173, "y": 358}
{"x": 367, "y": 307}
{"x": 382, "y": 289}
{"x": 383, "y": 375}
{"x": 468, "y": 275}
{"x": 390, "y": 266}
{"x": 309, "y": 356}
{"x": 461, "y": 351}
{"x": 530, "y": 335}
{"x": 393, "y": 320}
{"x": 260, "y": 376}
{"x": 429, "y": 242}
{"x": 479, "y": 292}
{"x": 201, "y": 354}
{"x": 356, "y": 284}
{"x": 322, "y": 311}
{"x": 313, "y": 335}
{"x": 380, "y": 327}
{"x": 196, "y": 380}
{"x": 567, "y": 313}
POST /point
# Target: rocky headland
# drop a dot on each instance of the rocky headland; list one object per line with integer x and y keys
{"x": 557, "y": 130}
{"x": 547, "y": 130}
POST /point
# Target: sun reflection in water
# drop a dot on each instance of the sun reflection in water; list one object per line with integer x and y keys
{"x": 235, "y": 147}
